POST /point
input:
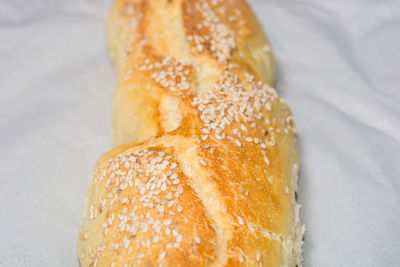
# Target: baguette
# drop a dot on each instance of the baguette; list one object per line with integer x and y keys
{"x": 205, "y": 168}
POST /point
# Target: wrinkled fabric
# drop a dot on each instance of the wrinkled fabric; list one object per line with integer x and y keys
{"x": 338, "y": 68}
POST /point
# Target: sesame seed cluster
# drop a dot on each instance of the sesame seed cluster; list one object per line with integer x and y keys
{"x": 144, "y": 190}
{"x": 211, "y": 33}
{"x": 237, "y": 106}
{"x": 170, "y": 73}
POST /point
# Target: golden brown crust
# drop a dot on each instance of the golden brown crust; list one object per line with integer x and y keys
{"x": 209, "y": 146}
{"x": 143, "y": 210}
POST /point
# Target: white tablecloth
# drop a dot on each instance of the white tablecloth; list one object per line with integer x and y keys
{"x": 338, "y": 68}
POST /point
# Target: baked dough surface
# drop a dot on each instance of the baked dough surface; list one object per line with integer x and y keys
{"x": 205, "y": 168}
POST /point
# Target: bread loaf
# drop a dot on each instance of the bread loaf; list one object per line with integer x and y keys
{"x": 205, "y": 168}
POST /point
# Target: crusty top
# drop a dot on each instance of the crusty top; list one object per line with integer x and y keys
{"x": 205, "y": 171}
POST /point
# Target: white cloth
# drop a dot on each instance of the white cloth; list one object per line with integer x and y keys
{"x": 338, "y": 68}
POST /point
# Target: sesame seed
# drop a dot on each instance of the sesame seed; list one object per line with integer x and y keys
{"x": 142, "y": 190}
{"x": 163, "y": 187}
{"x": 263, "y": 145}
{"x": 240, "y": 220}
{"x": 167, "y": 231}
{"x": 238, "y": 143}
{"x": 197, "y": 239}
{"x": 241, "y": 259}
{"x": 249, "y": 139}
{"x": 162, "y": 255}
{"x": 174, "y": 232}
{"x": 179, "y": 238}
{"x": 126, "y": 242}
